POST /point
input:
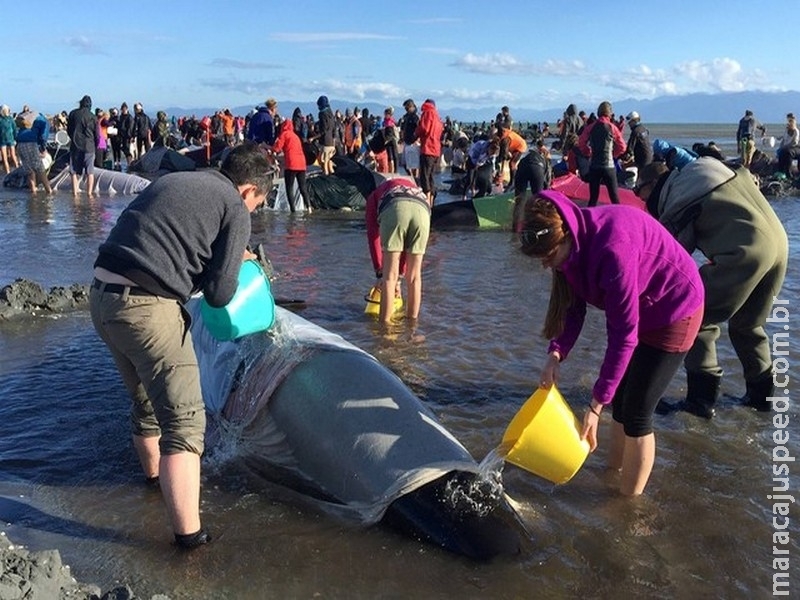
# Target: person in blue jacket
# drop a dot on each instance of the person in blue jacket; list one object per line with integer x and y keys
{"x": 32, "y": 148}
{"x": 261, "y": 129}
{"x": 674, "y": 156}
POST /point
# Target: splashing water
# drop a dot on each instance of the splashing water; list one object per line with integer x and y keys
{"x": 480, "y": 494}
{"x": 491, "y": 467}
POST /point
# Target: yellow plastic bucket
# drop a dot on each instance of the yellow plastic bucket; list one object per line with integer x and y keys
{"x": 373, "y": 299}
{"x": 544, "y": 437}
{"x": 251, "y": 309}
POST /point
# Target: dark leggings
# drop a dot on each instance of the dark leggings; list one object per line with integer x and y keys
{"x": 479, "y": 178}
{"x": 606, "y": 175}
{"x": 427, "y": 166}
{"x": 289, "y": 177}
{"x": 648, "y": 375}
{"x": 391, "y": 151}
{"x": 116, "y": 150}
{"x": 529, "y": 172}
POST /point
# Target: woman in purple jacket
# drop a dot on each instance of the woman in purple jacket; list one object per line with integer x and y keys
{"x": 622, "y": 261}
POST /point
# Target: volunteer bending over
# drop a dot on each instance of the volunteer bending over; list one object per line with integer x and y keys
{"x": 622, "y": 261}
{"x": 186, "y": 232}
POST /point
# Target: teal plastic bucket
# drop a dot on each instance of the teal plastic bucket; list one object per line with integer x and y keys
{"x": 251, "y": 309}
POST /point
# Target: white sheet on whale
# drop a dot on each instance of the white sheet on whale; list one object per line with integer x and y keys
{"x": 365, "y": 450}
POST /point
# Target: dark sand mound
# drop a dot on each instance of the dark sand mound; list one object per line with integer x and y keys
{"x": 25, "y": 298}
{"x": 26, "y": 575}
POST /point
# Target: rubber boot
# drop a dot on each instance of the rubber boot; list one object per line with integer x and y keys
{"x": 702, "y": 393}
{"x": 757, "y": 393}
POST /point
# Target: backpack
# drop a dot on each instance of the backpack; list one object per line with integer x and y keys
{"x": 377, "y": 142}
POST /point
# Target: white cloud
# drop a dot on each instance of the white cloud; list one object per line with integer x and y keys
{"x": 493, "y": 64}
{"x": 716, "y": 75}
{"x": 83, "y": 45}
{"x": 359, "y": 91}
{"x": 278, "y": 87}
{"x": 240, "y": 64}
{"x": 321, "y": 37}
{"x": 434, "y": 50}
{"x": 719, "y": 74}
{"x": 474, "y": 97}
{"x": 502, "y": 63}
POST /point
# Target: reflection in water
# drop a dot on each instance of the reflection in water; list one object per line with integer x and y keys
{"x": 703, "y": 529}
{"x": 40, "y": 211}
{"x": 91, "y": 218}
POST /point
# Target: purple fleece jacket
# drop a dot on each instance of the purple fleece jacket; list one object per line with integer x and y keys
{"x": 626, "y": 263}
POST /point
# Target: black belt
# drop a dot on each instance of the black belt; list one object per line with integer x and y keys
{"x": 118, "y": 288}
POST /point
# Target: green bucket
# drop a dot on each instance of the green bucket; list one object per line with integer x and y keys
{"x": 252, "y": 308}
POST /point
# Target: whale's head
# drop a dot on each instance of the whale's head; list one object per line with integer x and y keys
{"x": 462, "y": 513}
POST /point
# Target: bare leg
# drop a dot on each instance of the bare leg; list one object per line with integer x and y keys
{"x": 76, "y": 184}
{"x": 617, "y": 447}
{"x": 4, "y": 152}
{"x": 149, "y": 454}
{"x": 90, "y": 185}
{"x": 180, "y": 484}
{"x": 637, "y": 464}
{"x": 45, "y": 182}
{"x": 391, "y": 275}
{"x": 413, "y": 284}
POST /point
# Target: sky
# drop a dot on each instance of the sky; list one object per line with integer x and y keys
{"x": 465, "y": 54}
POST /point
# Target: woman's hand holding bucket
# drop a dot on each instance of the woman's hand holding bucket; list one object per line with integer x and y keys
{"x": 550, "y": 370}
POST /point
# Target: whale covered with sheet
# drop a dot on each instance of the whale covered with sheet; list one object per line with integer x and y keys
{"x": 308, "y": 410}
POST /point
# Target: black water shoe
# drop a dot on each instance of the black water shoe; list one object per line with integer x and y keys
{"x": 192, "y": 540}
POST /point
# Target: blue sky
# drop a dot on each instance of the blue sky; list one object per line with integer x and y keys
{"x": 463, "y": 54}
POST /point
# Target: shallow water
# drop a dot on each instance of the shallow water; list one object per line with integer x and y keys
{"x": 69, "y": 479}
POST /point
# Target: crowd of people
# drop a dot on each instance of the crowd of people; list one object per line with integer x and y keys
{"x": 661, "y": 310}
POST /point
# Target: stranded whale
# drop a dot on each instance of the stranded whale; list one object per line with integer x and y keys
{"x": 306, "y": 409}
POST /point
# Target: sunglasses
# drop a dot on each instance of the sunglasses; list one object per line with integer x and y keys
{"x": 529, "y": 237}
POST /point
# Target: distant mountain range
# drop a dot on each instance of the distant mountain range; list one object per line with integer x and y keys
{"x": 769, "y": 107}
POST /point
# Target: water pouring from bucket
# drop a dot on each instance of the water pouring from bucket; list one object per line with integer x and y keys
{"x": 545, "y": 437}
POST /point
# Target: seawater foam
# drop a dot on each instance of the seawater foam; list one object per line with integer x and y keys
{"x": 481, "y": 494}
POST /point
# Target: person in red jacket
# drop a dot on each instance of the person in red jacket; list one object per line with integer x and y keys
{"x": 289, "y": 144}
{"x": 429, "y": 132}
{"x": 603, "y": 142}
